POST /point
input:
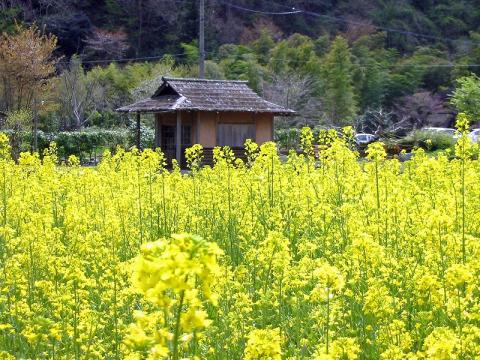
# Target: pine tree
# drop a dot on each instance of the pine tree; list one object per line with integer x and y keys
{"x": 339, "y": 98}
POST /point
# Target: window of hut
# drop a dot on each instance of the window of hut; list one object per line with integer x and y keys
{"x": 234, "y": 135}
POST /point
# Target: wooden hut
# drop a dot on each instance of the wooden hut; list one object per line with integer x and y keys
{"x": 207, "y": 112}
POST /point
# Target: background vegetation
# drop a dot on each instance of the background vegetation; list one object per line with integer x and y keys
{"x": 383, "y": 66}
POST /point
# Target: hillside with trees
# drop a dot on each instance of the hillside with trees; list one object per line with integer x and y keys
{"x": 378, "y": 65}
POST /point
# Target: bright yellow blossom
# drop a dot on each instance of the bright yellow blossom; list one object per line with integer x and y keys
{"x": 263, "y": 344}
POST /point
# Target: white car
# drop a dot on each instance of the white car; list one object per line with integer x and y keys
{"x": 364, "y": 138}
{"x": 474, "y": 135}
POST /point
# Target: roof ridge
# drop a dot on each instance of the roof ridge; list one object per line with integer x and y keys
{"x": 166, "y": 78}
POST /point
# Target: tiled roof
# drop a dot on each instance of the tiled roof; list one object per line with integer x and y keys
{"x": 205, "y": 95}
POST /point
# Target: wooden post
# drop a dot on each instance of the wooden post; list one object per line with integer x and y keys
{"x": 158, "y": 130}
{"x": 178, "y": 138}
{"x": 138, "y": 131}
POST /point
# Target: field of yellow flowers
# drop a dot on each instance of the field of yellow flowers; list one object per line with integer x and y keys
{"x": 321, "y": 256}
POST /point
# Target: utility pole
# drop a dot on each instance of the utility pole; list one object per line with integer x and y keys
{"x": 201, "y": 40}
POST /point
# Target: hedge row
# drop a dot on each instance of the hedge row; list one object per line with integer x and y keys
{"x": 287, "y": 139}
{"x": 290, "y": 139}
{"x": 86, "y": 144}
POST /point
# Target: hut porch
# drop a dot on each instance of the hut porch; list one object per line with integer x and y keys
{"x": 209, "y": 129}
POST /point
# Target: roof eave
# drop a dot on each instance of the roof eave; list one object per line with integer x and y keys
{"x": 286, "y": 112}
{"x": 168, "y": 79}
{"x": 129, "y": 111}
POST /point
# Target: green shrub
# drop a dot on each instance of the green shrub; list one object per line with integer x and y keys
{"x": 289, "y": 138}
{"x": 84, "y": 144}
{"x": 428, "y": 140}
{"x": 147, "y": 135}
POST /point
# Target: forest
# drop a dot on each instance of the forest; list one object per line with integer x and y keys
{"x": 383, "y": 66}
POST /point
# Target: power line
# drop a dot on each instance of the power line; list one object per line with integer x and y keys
{"x": 450, "y": 65}
{"x": 437, "y": 65}
{"x": 156, "y": 57}
{"x": 263, "y": 12}
{"x": 387, "y": 29}
{"x": 295, "y": 10}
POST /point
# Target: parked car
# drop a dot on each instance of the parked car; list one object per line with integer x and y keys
{"x": 474, "y": 135}
{"x": 363, "y": 138}
{"x": 447, "y": 131}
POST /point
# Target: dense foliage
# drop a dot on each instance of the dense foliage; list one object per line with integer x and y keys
{"x": 330, "y": 85}
{"x": 321, "y": 256}
{"x": 404, "y": 59}
{"x": 154, "y": 27}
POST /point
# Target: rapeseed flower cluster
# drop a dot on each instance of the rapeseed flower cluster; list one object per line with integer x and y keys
{"x": 176, "y": 276}
{"x": 263, "y": 345}
{"x": 319, "y": 256}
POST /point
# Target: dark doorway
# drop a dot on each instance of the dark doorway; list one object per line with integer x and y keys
{"x": 168, "y": 141}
